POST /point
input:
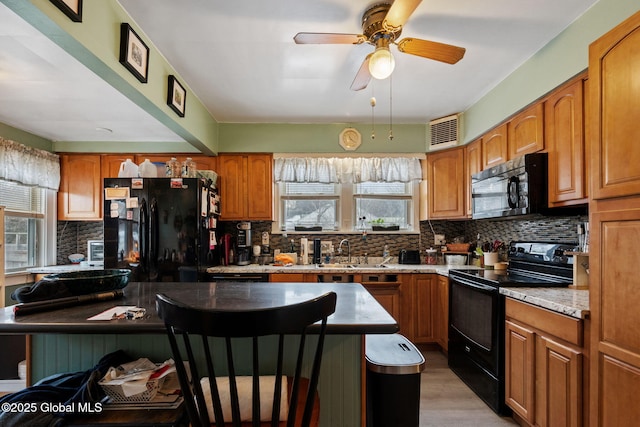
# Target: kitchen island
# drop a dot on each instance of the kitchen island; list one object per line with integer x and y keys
{"x": 65, "y": 341}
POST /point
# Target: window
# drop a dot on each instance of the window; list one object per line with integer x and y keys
{"x": 24, "y": 225}
{"x": 345, "y": 207}
{"x": 383, "y": 204}
{"x": 309, "y": 205}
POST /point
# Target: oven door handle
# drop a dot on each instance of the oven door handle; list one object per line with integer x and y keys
{"x": 478, "y": 286}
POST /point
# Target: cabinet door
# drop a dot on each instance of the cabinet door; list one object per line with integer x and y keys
{"x": 614, "y": 60}
{"x": 232, "y": 183}
{"x": 423, "y": 300}
{"x": 519, "y": 370}
{"x": 80, "y": 194}
{"x": 446, "y": 184}
{"x": 111, "y": 164}
{"x": 558, "y": 399}
{"x": 564, "y": 137}
{"x": 494, "y": 147}
{"x": 473, "y": 164}
{"x": 441, "y": 312}
{"x": 259, "y": 187}
{"x": 287, "y": 277}
{"x": 526, "y": 131}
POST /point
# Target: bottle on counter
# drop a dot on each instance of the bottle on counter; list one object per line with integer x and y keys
{"x": 385, "y": 251}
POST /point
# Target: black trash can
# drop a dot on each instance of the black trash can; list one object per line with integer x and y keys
{"x": 393, "y": 381}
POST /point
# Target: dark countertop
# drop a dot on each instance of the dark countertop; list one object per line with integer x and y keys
{"x": 357, "y": 312}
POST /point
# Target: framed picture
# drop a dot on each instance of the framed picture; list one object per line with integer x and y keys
{"x": 134, "y": 54}
{"x": 176, "y": 96}
{"x": 71, "y": 8}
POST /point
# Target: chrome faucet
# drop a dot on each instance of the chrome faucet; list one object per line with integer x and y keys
{"x": 348, "y": 249}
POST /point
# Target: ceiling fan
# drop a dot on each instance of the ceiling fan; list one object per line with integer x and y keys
{"x": 381, "y": 26}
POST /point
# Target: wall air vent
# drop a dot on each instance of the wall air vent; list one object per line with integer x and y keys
{"x": 445, "y": 132}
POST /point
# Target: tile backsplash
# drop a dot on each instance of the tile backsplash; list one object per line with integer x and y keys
{"x": 73, "y": 235}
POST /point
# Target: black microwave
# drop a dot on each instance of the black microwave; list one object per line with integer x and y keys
{"x": 516, "y": 187}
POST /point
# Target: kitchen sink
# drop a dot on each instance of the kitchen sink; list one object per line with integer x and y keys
{"x": 366, "y": 266}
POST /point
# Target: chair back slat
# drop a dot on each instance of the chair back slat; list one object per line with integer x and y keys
{"x": 212, "y": 325}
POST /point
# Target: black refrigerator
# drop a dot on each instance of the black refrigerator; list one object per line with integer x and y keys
{"x": 162, "y": 229}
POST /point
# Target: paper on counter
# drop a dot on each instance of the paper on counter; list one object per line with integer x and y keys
{"x": 112, "y": 312}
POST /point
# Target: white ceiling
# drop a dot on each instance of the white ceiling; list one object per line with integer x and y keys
{"x": 239, "y": 59}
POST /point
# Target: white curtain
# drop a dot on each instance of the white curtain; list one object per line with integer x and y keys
{"x": 347, "y": 170}
{"x": 28, "y": 166}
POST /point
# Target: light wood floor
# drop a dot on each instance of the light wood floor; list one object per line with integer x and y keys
{"x": 446, "y": 401}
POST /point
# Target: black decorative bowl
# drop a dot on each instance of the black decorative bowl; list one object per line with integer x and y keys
{"x": 63, "y": 285}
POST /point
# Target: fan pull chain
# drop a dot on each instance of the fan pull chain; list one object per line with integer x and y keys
{"x": 373, "y": 120}
{"x": 390, "y": 109}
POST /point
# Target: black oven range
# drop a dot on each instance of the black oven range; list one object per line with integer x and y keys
{"x": 476, "y": 312}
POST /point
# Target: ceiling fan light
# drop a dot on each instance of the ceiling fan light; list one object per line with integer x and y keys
{"x": 381, "y": 63}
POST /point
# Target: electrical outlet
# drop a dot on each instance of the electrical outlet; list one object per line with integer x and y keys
{"x": 438, "y": 239}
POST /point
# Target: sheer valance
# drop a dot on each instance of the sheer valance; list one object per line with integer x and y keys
{"x": 29, "y": 166}
{"x": 347, "y": 170}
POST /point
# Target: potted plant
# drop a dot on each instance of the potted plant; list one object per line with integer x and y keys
{"x": 379, "y": 225}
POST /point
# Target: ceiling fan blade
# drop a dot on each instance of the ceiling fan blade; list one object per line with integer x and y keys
{"x": 399, "y": 13}
{"x": 431, "y": 50}
{"x": 363, "y": 76}
{"x": 328, "y": 38}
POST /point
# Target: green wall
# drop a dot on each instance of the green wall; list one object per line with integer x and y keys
{"x": 26, "y": 138}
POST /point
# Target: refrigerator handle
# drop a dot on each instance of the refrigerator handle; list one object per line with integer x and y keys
{"x": 154, "y": 232}
{"x": 143, "y": 234}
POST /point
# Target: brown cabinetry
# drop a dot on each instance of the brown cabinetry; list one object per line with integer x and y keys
{"x": 80, "y": 193}
{"x": 494, "y": 147}
{"x": 473, "y": 164}
{"x": 526, "y": 131}
{"x": 564, "y": 136}
{"x": 544, "y": 357}
{"x": 423, "y": 303}
{"x": 614, "y": 109}
{"x": 387, "y": 290}
{"x": 441, "y": 312}
{"x": 446, "y": 183}
{"x": 245, "y": 186}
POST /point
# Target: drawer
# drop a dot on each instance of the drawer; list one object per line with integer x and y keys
{"x": 564, "y": 327}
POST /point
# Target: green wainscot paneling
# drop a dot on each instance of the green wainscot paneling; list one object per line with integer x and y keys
{"x": 340, "y": 378}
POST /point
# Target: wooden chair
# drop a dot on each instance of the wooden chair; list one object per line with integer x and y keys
{"x": 196, "y": 325}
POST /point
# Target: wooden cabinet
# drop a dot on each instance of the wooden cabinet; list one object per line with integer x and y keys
{"x": 288, "y": 277}
{"x": 245, "y": 186}
{"x": 473, "y": 164}
{"x": 441, "y": 312}
{"x": 424, "y": 298}
{"x": 80, "y": 193}
{"x": 526, "y": 131}
{"x": 110, "y": 164}
{"x": 564, "y": 137}
{"x": 388, "y": 294}
{"x": 446, "y": 183}
{"x": 614, "y": 209}
{"x": 544, "y": 356}
{"x": 494, "y": 147}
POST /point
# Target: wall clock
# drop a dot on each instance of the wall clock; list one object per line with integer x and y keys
{"x": 350, "y": 139}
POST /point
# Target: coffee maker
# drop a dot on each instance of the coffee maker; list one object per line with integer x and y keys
{"x": 243, "y": 245}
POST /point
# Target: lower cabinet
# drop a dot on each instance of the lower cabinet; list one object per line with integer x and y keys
{"x": 441, "y": 312}
{"x": 544, "y": 366}
{"x": 422, "y": 303}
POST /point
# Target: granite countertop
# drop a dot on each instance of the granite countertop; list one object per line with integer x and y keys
{"x": 66, "y": 268}
{"x": 572, "y": 302}
{"x": 357, "y": 312}
{"x": 339, "y": 268}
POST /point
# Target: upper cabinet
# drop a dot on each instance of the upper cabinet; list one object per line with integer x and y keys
{"x": 80, "y": 193}
{"x": 613, "y": 71}
{"x": 565, "y": 140}
{"x": 494, "y": 147}
{"x": 526, "y": 131}
{"x": 446, "y": 183}
{"x": 473, "y": 164}
{"x": 245, "y": 186}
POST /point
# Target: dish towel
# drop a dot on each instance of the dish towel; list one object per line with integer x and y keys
{"x": 267, "y": 384}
